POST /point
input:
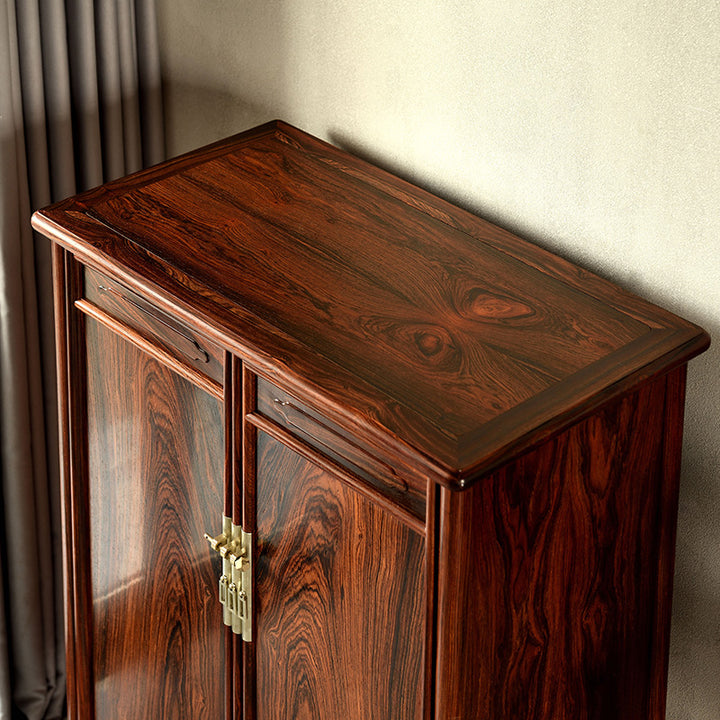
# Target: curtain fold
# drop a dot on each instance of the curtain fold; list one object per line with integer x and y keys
{"x": 80, "y": 104}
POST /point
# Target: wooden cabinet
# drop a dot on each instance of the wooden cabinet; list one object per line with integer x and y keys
{"x": 437, "y": 466}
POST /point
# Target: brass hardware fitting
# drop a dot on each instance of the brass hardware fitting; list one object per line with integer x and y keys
{"x": 234, "y": 546}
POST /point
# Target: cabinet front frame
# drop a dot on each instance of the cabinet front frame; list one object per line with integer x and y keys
{"x": 253, "y": 424}
{"x": 241, "y": 425}
{"x": 72, "y": 313}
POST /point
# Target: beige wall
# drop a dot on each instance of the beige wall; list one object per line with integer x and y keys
{"x": 592, "y": 128}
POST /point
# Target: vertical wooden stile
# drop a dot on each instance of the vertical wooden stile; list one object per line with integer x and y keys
{"x": 229, "y": 418}
{"x": 431, "y": 549}
{"x": 246, "y": 443}
{"x": 77, "y": 532}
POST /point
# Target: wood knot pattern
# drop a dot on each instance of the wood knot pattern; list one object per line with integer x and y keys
{"x": 482, "y": 305}
{"x": 453, "y": 333}
{"x": 426, "y": 343}
{"x": 436, "y": 328}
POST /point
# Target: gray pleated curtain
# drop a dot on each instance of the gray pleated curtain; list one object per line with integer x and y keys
{"x": 80, "y": 104}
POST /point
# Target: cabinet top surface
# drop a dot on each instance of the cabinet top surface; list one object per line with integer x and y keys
{"x": 406, "y": 318}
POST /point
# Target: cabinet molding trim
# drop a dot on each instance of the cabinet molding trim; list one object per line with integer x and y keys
{"x": 143, "y": 343}
{"x": 301, "y": 448}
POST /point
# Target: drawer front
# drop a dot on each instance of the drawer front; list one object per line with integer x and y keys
{"x": 317, "y": 431}
{"x": 186, "y": 345}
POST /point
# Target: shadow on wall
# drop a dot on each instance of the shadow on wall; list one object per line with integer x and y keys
{"x": 199, "y": 115}
{"x": 694, "y": 675}
{"x": 206, "y": 114}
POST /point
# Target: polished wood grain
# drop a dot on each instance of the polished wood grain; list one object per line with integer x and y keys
{"x": 406, "y": 321}
{"x": 459, "y": 464}
{"x": 61, "y": 300}
{"x": 149, "y": 346}
{"x": 554, "y": 572}
{"x": 340, "y": 583}
{"x": 432, "y": 537}
{"x": 327, "y": 463}
{"x": 81, "y": 691}
{"x": 155, "y": 475}
{"x": 247, "y": 462}
{"x": 385, "y": 472}
{"x": 668, "y": 491}
{"x": 184, "y": 344}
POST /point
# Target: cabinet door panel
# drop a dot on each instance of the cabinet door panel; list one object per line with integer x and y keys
{"x": 340, "y": 592}
{"x": 155, "y": 473}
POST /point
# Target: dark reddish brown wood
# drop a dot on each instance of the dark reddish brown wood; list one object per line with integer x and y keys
{"x": 407, "y": 350}
{"x": 75, "y": 533}
{"x": 60, "y": 301}
{"x": 155, "y": 484}
{"x": 187, "y": 346}
{"x": 405, "y": 486}
{"x": 551, "y": 571}
{"x": 431, "y": 573}
{"x": 247, "y": 458}
{"x": 408, "y": 323}
{"x": 329, "y": 465}
{"x": 667, "y": 526}
{"x": 232, "y": 667}
{"x": 148, "y": 346}
{"x": 247, "y": 437}
{"x": 340, "y": 622}
{"x": 230, "y": 402}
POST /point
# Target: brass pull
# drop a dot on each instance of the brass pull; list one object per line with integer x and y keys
{"x": 234, "y": 546}
{"x": 217, "y": 542}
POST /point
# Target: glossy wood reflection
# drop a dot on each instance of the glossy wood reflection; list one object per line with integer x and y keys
{"x": 155, "y": 485}
{"x": 426, "y": 324}
{"x": 562, "y": 608}
{"x": 185, "y": 345}
{"x": 340, "y": 587}
{"x": 459, "y": 465}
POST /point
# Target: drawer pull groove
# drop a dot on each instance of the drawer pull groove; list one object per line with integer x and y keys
{"x": 285, "y": 408}
{"x": 191, "y": 347}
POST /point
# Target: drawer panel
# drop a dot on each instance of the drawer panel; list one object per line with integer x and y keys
{"x": 329, "y": 439}
{"x": 186, "y": 345}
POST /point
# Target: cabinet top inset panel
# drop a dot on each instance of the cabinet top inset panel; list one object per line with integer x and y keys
{"x": 405, "y": 319}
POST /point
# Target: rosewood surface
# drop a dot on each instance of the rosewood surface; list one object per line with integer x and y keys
{"x": 341, "y": 586}
{"x": 186, "y": 346}
{"x": 458, "y": 455}
{"x": 559, "y": 607}
{"x": 155, "y": 484}
{"x": 427, "y": 330}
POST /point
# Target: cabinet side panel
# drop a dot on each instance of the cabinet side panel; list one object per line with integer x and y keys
{"x": 156, "y": 457}
{"x": 553, "y": 597}
{"x": 340, "y": 598}
{"x": 674, "y": 413}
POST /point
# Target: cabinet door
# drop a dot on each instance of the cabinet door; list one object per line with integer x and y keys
{"x": 150, "y": 639}
{"x": 340, "y": 593}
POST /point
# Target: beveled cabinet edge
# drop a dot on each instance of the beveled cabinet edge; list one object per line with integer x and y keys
{"x": 454, "y": 462}
{"x": 279, "y": 372}
{"x": 689, "y": 342}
